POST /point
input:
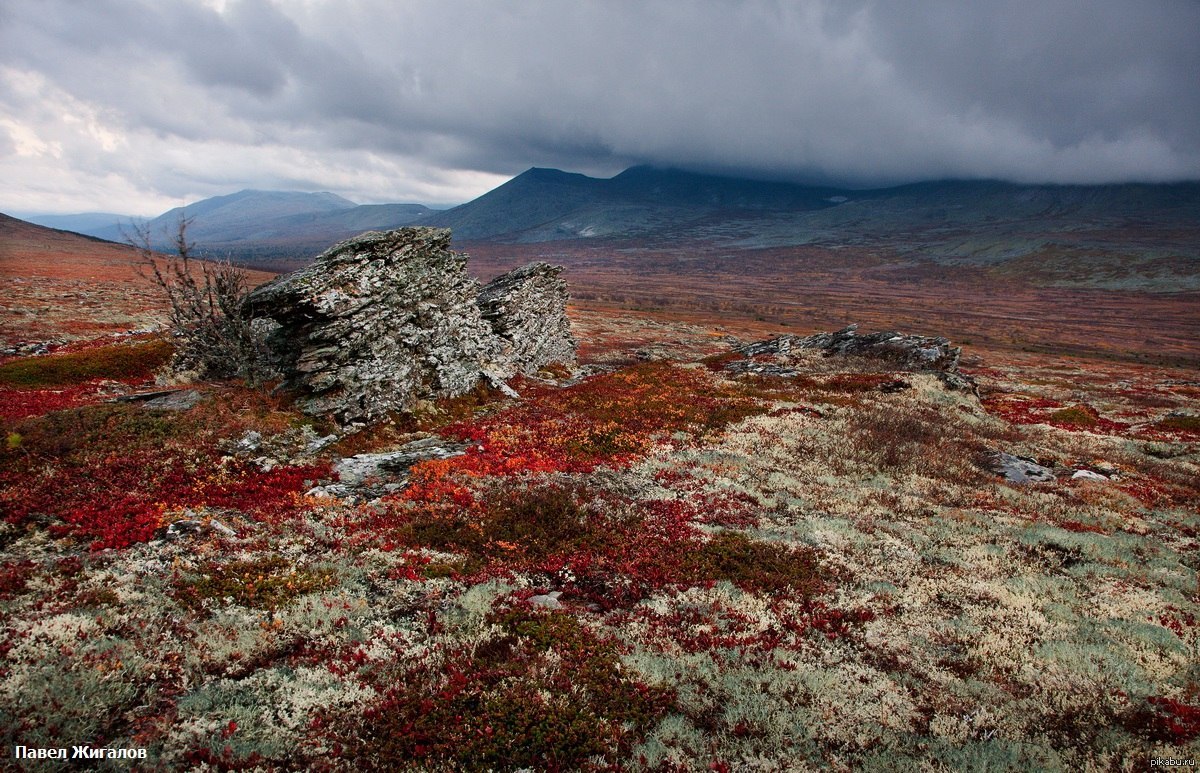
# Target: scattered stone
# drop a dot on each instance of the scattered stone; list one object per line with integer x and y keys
{"x": 905, "y": 352}
{"x": 1088, "y": 475}
{"x": 112, "y": 388}
{"x": 180, "y": 529}
{"x": 221, "y": 529}
{"x": 548, "y": 600}
{"x": 369, "y": 476}
{"x": 320, "y": 443}
{"x": 138, "y": 397}
{"x": 1017, "y": 469}
{"x": 192, "y": 526}
{"x": 355, "y": 469}
{"x": 250, "y": 442}
{"x": 499, "y": 384}
{"x": 759, "y": 368}
{"x": 295, "y": 445}
{"x": 383, "y": 320}
{"x": 330, "y": 491}
{"x": 31, "y": 348}
{"x": 892, "y": 387}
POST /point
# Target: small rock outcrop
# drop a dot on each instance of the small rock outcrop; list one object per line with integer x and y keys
{"x": 1018, "y": 469}
{"x": 904, "y": 352}
{"x": 382, "y": 320}
{"x": 368, "y": 476}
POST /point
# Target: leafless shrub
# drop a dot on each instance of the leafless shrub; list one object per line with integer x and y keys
{"x": 205, "y": 300}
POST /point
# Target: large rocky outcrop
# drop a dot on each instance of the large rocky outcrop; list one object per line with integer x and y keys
{"x": 382, "y": 320}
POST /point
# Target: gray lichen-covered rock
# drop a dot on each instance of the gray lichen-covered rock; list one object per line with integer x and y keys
{"x": 904, "y": 352}
{"x": 1017, "y": 469}
{"x": 368, "y": 476}
{"x": 527, "y": 309}
{"x": 375, "y": 323}
{"x": 382, "y": 320}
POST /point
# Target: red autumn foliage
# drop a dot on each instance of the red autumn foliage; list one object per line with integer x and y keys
{"x": 609, "y": 419}
{"x": 107, "y": 474}
{"x": 35, "y": 386}
{"x": 543, "y": 692}
{"x": 16, "y": 404}
{"x": 118, "y": 500}
{"x": 1167, "y": 720}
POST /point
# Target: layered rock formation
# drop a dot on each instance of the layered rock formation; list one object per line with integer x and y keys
{"x": 382, "y": 320}
{"x": 532, "y": 332}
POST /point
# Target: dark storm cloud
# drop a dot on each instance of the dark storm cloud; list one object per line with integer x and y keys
{"x": 859, "y": 92}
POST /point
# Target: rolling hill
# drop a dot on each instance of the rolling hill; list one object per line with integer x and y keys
{"x": 60, "y": 285}
{"x": 1108, "y": 270}
{"x": 253, "y": 225}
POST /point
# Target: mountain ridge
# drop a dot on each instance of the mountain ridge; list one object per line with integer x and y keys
{"x": 979, "y": 222}
{"x": 643, "y": 198}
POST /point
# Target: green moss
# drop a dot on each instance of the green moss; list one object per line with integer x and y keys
{"x": 535, "y": 521}
{"x": 95, "y": 427}
{"x": 1186, "y": 423}
{"x": 754, "y": 565}
{"x": 268, "y": 582}
{"x": 439, "y": 570}
{"x": 123, "y": 361}
{"x": 1076, "y": 415}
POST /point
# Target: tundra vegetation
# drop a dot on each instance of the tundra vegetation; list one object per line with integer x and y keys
{"x": 660, "y": 566}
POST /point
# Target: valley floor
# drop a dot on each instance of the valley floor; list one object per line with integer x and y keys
{"x": 660, "y": 566}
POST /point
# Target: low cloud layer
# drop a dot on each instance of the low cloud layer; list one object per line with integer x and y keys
{"x": 138, "y": 105}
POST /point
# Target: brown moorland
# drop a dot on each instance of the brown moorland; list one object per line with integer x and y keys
{"x": 806, "y": 289}
{"x": 65, "y": 286}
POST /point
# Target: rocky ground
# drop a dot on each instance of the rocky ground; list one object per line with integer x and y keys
{"x": 677, "y": 557}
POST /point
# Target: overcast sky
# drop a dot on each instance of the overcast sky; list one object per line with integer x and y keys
{"x": 135, "y": 106}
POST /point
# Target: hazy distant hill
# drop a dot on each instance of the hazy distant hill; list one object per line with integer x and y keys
{"x": 260, "y": 226}
{"x": 547, "y": 204}
{"x": 1132, "y": 236}
{"x": 87, "y": 223}
{"x": 249, "y": 215}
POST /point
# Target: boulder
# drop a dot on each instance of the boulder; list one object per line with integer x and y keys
{"x": 904, "y": 352}
{"x": 383, "y": 320}
{"x": 1017, "y": 469}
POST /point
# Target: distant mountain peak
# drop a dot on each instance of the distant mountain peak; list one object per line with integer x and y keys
{"x": 669, "y": 203}
{"x": 548, "y": 174}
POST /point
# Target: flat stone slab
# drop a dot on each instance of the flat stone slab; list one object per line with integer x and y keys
{"x": 173, "y": 401}
{"x": 353, "y": 470}
{"x": 1016, "y": 469}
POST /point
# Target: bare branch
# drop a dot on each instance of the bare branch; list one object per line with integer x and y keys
{"x": 204, "y": 312}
